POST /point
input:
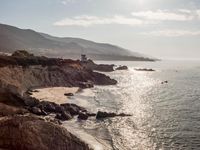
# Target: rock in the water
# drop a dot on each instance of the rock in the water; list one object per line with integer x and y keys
{"x": 144, "y": 69}
{"x": 32, "y": 133}
{"x": 69, "y": 94}
{"x": 101, "y": 115}
{"x": 83, "y": 116}
{"x": 164, "y": 82}
{"x": 73, "y": 108}
{"x": 91, "y": 114}
{"x": 122, "y": 68}
{"x": 101, "y": 79}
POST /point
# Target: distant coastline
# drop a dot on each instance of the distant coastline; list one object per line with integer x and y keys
{"x": 65, "y": 47}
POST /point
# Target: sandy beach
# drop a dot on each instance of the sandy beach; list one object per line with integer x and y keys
{"x": 54, "y": 94}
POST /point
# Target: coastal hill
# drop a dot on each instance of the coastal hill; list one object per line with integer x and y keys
{"x": 13, "y": 38}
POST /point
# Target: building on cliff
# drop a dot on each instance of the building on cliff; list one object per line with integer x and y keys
{"x": 83, "y": 58}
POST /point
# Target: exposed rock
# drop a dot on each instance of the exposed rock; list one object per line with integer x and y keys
{"x": 64, "y": 116}
{"x": 104, "y": 115}
{"x": 122, "y": 68}
{"x": 32, "y": 133}
{"x": 144, "y": 69}
{"x": 69, "y": 94}
{"x": 101, "y": 115}
{"x": 22, "y": 53}
{"x": 36, "y": 110}
{"x": 50, "y": 107}
{"x": 30, "y": 101}
{"x": 89, "y": 64}
{"x": 91, "y": 114}
{"x": 7, "y": 110}
{"x": 164, "y": 82}
{"x": 73, "y": 108}
{"x": 83, "y": 116}
{"x": 101, "y": 79}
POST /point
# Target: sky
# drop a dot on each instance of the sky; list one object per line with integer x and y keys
{"x": 167, "y": 29}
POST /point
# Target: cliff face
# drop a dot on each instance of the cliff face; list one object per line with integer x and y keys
{"x": 29, "y": 73}
{"x": 18, "y": 79}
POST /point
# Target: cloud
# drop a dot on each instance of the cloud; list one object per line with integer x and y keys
{"x": 137, "y": 18}
{"x": 198, "y": 13}
{"x": 87, "y": 21}
{"x": 65, "y": 2}
{"x": 163, "y": 15}
{"x": 172, "y": 33}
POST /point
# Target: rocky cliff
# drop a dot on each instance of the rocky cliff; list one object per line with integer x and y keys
{"x": 23, "y": 71}
{"x": 18, "y": 74}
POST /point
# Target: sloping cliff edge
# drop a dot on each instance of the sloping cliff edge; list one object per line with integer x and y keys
{"x": 22, "y": 72}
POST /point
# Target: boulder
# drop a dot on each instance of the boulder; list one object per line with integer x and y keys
{"x": 64, "y": 116}
{"x": 50, "y": 107}
{"x": 37, "y": 111}
{"x": 30, "y": 101}
{"x": 83, "y": 116}
{"x": 32, "y": 133}
{"x": 73, "y": 108}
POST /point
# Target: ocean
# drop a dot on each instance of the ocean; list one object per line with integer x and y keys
{"x": 164, "y": 116}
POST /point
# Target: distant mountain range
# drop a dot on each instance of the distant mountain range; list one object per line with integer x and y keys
{"x": 13, "y": 38}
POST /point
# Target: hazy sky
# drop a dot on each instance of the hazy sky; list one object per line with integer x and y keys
{"x": 160, "y": 28}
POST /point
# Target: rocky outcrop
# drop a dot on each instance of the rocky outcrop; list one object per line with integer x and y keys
{"x": 89, "y": 64}
{"x": 17, "y": 75}
{"x": 122, "y": 68}
{"x": 32, "y": 133}
{"x": 101, "y": 115}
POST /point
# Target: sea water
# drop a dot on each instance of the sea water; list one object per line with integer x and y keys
{"x": 164, "y": 116}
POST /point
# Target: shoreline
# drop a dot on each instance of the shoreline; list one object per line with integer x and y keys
{"x": 18, "y": 75}
{"x": 73, "y": 125}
